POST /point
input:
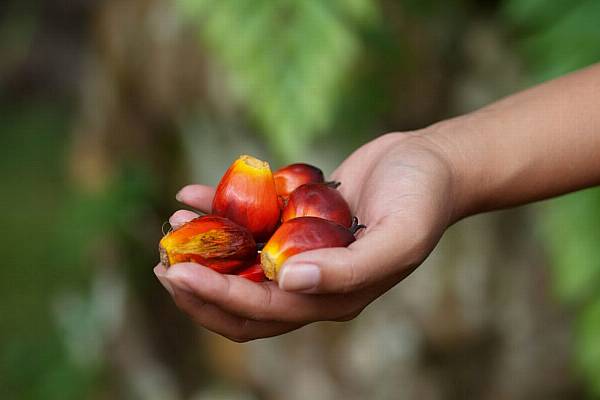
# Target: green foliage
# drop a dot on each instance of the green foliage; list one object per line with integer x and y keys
{"x": 571, "y": 229}
{"x": 287, "y": 60}
{"x": 16, "y": 33}
{"x": 559, "y": 37}
{"x": 33, "y": 361}
{"x": 49, "y": 234}
{"x": 588, "y": 343}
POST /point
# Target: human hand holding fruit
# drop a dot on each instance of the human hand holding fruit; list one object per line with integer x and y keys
{"x": 400, "y": 187}
{"x": 407, "y": 188}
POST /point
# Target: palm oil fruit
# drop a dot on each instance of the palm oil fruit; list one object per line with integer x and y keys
{"x": 318, "y": 200}
{"x": 298, "y": 235}
{"x": 253, "y": 273}
{"x": 288, "y": 178}
{"x": 293, "y": 210}
{"x": 210, "y": 240}
{"x": 246, "y": 195}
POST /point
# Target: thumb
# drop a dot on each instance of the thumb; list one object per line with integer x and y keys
{"x": 382, "y": 252}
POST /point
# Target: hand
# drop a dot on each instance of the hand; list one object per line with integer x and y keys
{"x": 401, "y": 186}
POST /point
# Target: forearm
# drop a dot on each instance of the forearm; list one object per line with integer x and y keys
{"x": 536, "y": 144}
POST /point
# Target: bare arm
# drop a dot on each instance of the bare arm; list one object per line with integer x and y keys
{"x": 536, "y": 144}
{"x": 407, "y": 188}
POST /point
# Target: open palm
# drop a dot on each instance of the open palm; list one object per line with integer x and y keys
{"x": 399, "y": 185}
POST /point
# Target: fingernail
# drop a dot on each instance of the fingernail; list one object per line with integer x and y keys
{"x": 297, "y": 277}
{"x": 164, "y": 281}
{"x": 178, "y": 196}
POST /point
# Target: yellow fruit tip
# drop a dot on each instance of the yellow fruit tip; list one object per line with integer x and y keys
{"x": 268, "y": 265}
{"x": 254, "y": 162}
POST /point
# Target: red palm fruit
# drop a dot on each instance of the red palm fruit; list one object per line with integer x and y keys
{"x": 210, "y": 240}
{"x": 318, "y": 200}
{"x": 247, "y": 196}
{"x": 254, "y": 273}
{"x": 298, "y": 235}
{"x": 287, "y": 179}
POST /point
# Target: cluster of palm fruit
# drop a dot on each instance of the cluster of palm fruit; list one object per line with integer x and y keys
{"x": 259, "y": 219}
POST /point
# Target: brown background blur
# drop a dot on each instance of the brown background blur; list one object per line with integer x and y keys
{"x": 108, "y": 107}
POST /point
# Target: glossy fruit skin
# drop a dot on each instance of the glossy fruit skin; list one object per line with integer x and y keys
{"x": 210, "y": 240}
{"x": 288, "y": 178}
{"x": 253, "y": 273}
{"x": 298, "y": 235}
{"x": 246, "y": 195}
{"x": 318, "y": 200}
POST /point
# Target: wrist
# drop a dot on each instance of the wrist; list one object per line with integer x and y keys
{"x": 468, "y": 177}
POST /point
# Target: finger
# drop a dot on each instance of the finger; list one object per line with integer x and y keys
{"x": 198, "y": 196}
{"x": 258, "y": 301}
{"x": 235, "y": 328}
{"x": 218, "y": 321}
{"x": 180, "y": 217}
{"x": 159, "y": 271}
{"x": 383, "y": 252}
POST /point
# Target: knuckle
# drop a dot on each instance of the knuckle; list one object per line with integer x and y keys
{"x": 260, "y": 310}
{"x": 268, "y": 297}
{"x": 225, "y": 290}
{"x": 343, "y": 275}
{"x": 350, "y": 279}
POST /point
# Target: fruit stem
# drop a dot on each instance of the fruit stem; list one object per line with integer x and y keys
{"x": 355, "y": 227}
{"x": 164, "y": 225}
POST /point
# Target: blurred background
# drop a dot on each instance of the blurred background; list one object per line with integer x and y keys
{"x": 108, "y": 107}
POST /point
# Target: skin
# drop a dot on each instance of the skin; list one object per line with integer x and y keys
{"x": 408, "y": 188}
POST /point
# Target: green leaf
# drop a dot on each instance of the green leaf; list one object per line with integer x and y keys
{"x": 571, "y": 228}
{"x": 563, "y": 35}
{"x": 286, "y": 60}
{"x": 588, "y": 345}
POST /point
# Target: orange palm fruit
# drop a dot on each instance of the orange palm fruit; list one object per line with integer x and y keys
{"x": 298, "y": 235}
{"x": 254, "y": 273}
{"x": 210, "y": 240}
{"x": 288, "y": 178}
{"x": 246, "y": 195}
{"x": 318, "y": 200}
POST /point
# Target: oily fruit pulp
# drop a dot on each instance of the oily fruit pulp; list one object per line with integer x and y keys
{"x": 317, "y": 200}
{"x": 253, "y": 273}
{"x": 246, "y": 195}
{"x": 212, "y": 241}
{"x": 288, "y": 178}
{"x": 298, "y": 235}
